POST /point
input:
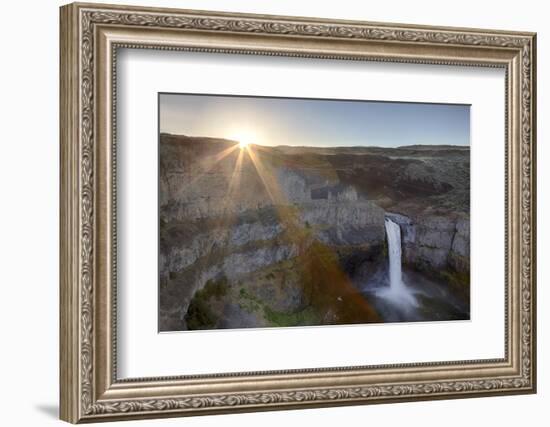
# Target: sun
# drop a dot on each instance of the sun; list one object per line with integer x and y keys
{"x": 244, "y": 138}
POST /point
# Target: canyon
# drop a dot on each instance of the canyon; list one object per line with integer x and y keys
{"x": 296, "y": 236}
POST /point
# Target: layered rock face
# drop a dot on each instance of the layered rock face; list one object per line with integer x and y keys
{"x": 248, "y": 236}
{"x": 227, "y": 215}
{"x": 435, "y": 241}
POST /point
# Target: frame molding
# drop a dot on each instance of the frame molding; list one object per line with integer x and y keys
{"x": 90, "y": 37}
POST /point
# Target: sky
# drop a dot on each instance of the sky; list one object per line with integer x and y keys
{"x": 314, "y": 122}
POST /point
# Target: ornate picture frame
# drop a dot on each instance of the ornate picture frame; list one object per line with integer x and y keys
{"x": 91, "y": 34}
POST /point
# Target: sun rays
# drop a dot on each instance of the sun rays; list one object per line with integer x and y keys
{"x": 236, "y": 176}
{"x": 319, "y": 264}
{"x": 251, "y": 182}
{"x": 207, "y": 164}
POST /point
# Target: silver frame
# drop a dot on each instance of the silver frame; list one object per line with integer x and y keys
{"x": 90, "y": 37}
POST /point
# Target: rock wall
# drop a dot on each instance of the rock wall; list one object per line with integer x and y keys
{"x": 339, "y": 223}
{"x": 255, "y": 243}
{"x": 435, "y": 241}
{"x": 207, "y": 235}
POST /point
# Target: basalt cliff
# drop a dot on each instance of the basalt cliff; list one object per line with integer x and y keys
{"x": 285, "y": 236}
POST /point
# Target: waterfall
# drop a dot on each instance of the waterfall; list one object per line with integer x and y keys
{"x": 393, "y": 232}
{"x": 397, "y": 291}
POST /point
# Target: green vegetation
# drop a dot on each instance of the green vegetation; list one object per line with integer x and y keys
{"x": 458, "y": 282}
{"x": 305, "y": 317}
{"x": 249, "y": 302}
{"x": 252, "y": 304}
{"x": 200, "y": 314}
{"x": 215, "y": 288}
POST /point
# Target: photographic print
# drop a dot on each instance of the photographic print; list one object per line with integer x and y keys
{"x": 240, "y": 203}
{"x": 281, "y": 212}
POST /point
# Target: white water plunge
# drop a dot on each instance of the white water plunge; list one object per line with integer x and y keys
{"x": 393, "y": 231}
{"x": 397, "y": 291}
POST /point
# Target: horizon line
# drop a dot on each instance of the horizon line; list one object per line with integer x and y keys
{"x": 316, "y": 146}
